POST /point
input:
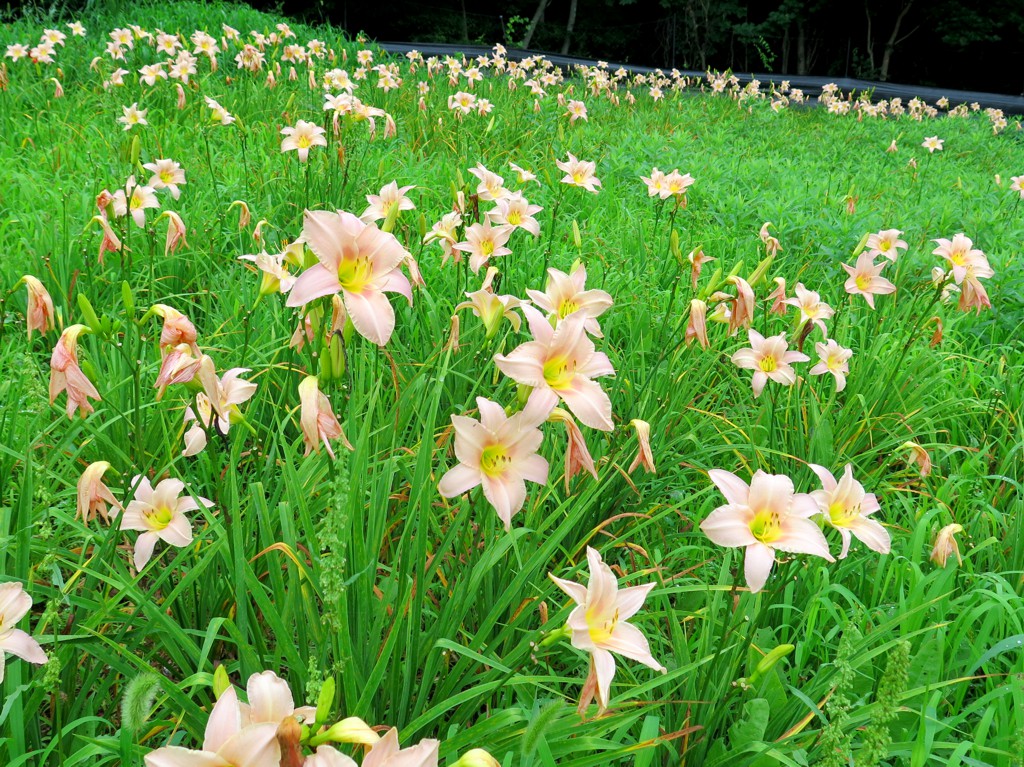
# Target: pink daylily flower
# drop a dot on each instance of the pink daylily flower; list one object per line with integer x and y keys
{"x": 965, "y": 259}
{"x": 484, "y": 242}
{"x": 834, "y": 359}
{"x": 381, "y": 204}
{"x": 768, "y": 358}
{"x": 579, "y": 173}
{"x": 762, "y": 517}
{"x": 846, "y": 507}
{"x": 359, "y": 261}
{"x": 811, "y": 307}
{"x": 564, "y": 294}
{"x": 14, "y": 605}
{"x": 499, "y": 453}
{"x": 226, "y": 743}
{"x": 302, "y": 137}
{"x": 599, "y": 623}
{"x": 865, "y": 280}
{"x": 159, "y": 513}
{"x": 886, "y": 243}
{"x": 561, "y": 363}
{"x": 270, "y": 700}
{"x": 387, "y": 753}
{"x": 516, "y": 212}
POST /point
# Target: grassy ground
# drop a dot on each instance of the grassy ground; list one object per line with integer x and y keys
{"x": 426, "y": 613}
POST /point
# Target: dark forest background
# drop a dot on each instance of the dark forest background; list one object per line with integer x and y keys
{"x": 945, "y": 43}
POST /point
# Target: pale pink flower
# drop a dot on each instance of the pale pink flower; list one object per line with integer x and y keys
{"x": 93, "y": 496}
{"x": 491, "y": 309}
{"x": 833, "y": 360}
{"x": 811, "y": 308}
{"x": 159, "y": 513}
{"x": 524, "y": 175}
{"x": 846, "y": 507}
{"x": 946, "y": 544}
{"x": 564, "y": 294}
{"x": 276, "y": 277}
{"x": 387, "y": 753}
{"x": 167, "y": 174}
{"x": 516, "y": 212}
{"x": 39, "y": 311}
{"x": 599, "y": 623}
{"x": 134, "y": 199}
{"x": 886, "y": 243}
{"x": 14, "y": 605}
{"x": 133, "y": 116}
{"x": 381, "y": 204}
{"x": 576, "y": 110}
{"x": 655, "y": 183}
{"x": 317, "y": 419}
{"x": 676, "y": 185}
{"x": 768, "y": 358}
{"x": 484, "y": 242}
{"x": 763, "y": 517}
{"x": 359, "y": 261}
{"x": 270, "y": 700}
{"x": 865, "y": 280}
{"x": 303, "y": 136}
{"x": 226, "y": 743}
{"x": 498, "y": 453}
{"x": 220, "y": 396}
{"x": 561, "y": 363}
{"x": 491, "y": 186}
{"x": 932, "y": 143}
{"x": 65, "y": 374}
{"x": 965, "y": 259}
{"x": 1017, "y": 185}
{"x": 579, "y": 173}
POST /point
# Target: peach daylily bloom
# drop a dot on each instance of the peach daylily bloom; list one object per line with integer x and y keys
{"x": 381, "y": 204}
{"x": 66, "y": 375}
{"x": 275, "y": 276}
{"x": 387, "y": 753}
{"x": 133, "y": 116}
{"x": 763, "y": 517}
{"x": 524, "y": 175}
{"x": 491, "y": 186}
{"x": 499, "y": 453}
{"x": 579, "y": 173}
{"x": 561, "y": 363}
{"x": 302, "y": 137}
{"x": 484, "y": 242}
{"x": 491, "y": 309}
{"x": 219, "y": 396}
{"x": 963, "y": 257}
{"x": 564, "y": 294}
{"x": 946, "y": 544}
{"x": 932, "y": 143}
{"x": 159, "y": 513}
{"x": 865, "y": 280}
{"x": 886, "y": 243}
{"x": 134, "y": 199}
{"x": 1017, "y": 185}
{"x": 14, "y": 605}
{"x": 167, "y": 174}
{"x": 270, "y": 700}
{"x": 811, "y": 308}
{"x": 768, "y": 358}
{"x": 833, "y": 360}
{"x": 599, "y": 623}
{"x": 93, "y": 495}
{"x": 226, "y": 742}
{"x": 846, "y": 507}
{"x": 39, "y": 311}
{"x": 655, "y": 183}
{"x": 359, "y": 261}
{"x": 317, "y": 419}
{"x": 516, "y": 212}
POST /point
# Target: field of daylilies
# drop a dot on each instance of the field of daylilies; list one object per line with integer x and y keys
{"x": 465, "y": 411}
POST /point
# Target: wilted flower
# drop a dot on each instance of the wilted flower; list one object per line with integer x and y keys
{"x": 65, "y": 374}
{"x": 696, "y": 325}
{"x": 39, "y": 310}
{"x": 317, "y": 419}
{"x": 577, "y": 454}
{"x": 93, "y": 495}
{"x": 644, "y": 457}
{"x": 946, "y": 544}
{"x": 919, "y": 457}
